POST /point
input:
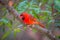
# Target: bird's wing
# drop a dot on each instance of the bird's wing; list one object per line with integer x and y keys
{"x": 33, "y": 18}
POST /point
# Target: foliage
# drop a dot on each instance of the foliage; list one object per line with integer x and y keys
{"x": 6, "y": 35}
{"x": 9, "y": 24}
{"x": 34, "y": 8}
{"x": 57, "y": 6}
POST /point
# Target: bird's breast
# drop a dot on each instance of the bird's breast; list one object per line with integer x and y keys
{"x": 28, "y": 21}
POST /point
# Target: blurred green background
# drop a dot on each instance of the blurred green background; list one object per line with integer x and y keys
{"x": 46, "y": 11}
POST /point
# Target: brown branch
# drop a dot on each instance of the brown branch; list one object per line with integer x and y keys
{"x": 15, "y": 13}
{"x": 47, "y": 32}
{"x": 53, "y": 11}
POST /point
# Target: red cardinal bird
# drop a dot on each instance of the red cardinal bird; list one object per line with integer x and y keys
{"x": 29, "y": 19}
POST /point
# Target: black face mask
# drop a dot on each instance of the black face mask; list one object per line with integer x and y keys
{"x": 22, "y": 17}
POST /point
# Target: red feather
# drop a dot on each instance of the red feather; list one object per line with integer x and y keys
{"x": 29, "y": 19}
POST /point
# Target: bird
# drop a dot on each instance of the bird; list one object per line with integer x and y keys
{"x": 29, "y": 19}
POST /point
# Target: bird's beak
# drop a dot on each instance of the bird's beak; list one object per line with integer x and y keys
{"x": 21, "y": 16}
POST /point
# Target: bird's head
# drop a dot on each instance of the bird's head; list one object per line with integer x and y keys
{"x": 24, "y": 15}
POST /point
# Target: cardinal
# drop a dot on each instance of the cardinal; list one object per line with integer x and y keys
{"x": 29, "y": 19}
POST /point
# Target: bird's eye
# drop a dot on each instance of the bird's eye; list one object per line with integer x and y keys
{"x": 23, "y": 18}
{"x": 21, "y": 15}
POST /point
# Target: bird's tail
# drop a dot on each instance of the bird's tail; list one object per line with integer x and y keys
{"x": 41, "y": 25}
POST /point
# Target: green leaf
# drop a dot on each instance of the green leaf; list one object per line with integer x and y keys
{"x": 50, "y": 21}
{"x": 57, "y": 6}
{"x": 50, "y": 2}
{"x": 4, "y": 9}
{"x": 9, "y": 25}
{"x": 44, "y": 1}
{"x": 6, "y": 35}
{"x": 27, "y": 6}
{"x": 22, "y": 6}
{"x": 1, "y": 23}
{"x": 34, "y": 30}
{"x": 25, "y": 28}
{"x": 15, "y": 33}
{"x": 58, "y": 36}
{"x": 16, "y": 30}
{"x": 35, "y": 15}
{"x": 4, "y": 20}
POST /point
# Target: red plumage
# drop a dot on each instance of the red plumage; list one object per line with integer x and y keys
{"x": 29, "y": 19}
